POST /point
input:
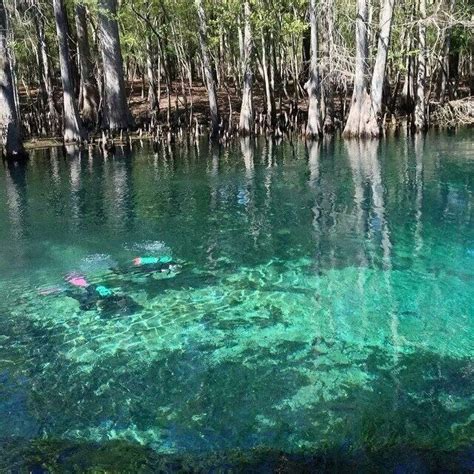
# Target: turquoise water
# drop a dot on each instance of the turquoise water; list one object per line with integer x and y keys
{"x": 321, "y": 309}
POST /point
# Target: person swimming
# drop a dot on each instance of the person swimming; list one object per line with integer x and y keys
{"x": 99, "y": 297}
{"x": 107, "y": 301}
{"x": 157, "y": 267}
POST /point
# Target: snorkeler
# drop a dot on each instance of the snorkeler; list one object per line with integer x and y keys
{"x": 156, "y": 267}
{"x": 98, "y": 297}
{"x": 163, "y": 264}
{"x": 108, "y": 302}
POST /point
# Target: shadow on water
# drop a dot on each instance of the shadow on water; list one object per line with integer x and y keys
{"x": 408, "y": 430}
{"x": 117, "y": 456}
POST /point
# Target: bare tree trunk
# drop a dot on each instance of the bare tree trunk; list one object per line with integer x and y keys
{"x": 116, "y": 112}
{"x": 240, "y": 36}
{"x": 43, "y": 121}
{"x": 359, "y": 94}
{"x": 444, "y": 77}
{"x": 327, "y": 81}
{"x": 373, "y": 125}
{"x": 444, "y": 72}
{"x": 89, "y": 90}
{"x": 220, "y": 60}
{"x": 272, "y": 61}
{"x": 313, "y": 127}
{"x": 190, "y": 89}
{"x": 407, "y": 95}
{"x": 72, "y": 125}
{"x": 246, "y": 111}
{"x": 420, "y": 106}
{"x": 45, "y": 73}
{"x": 10, "y": 133}
{"x": 365, "y": 121}
{"x": 268, "y": 87}
{"x": 152, "y": 98}
{"x": 471, "y": 62}
{"x": 158, "y": 84}
{"x": 211, "y": 85}
{"x": 166, "y": 70}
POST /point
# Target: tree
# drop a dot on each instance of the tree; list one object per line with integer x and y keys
{"x": 152, "y": 96}
{"x": 378, "y": 75}
{"x": 326, "y": 77}
{"x": 313, "y": 127}
{"x": 116, "y": 112}
{"x": 266, "y": 62}
{"x": 359, "y": 94}
{"x": 420, "y": 104}
{"x": 89, "y": 92}
{"x": 72, "y": 124}
{"x": 9, "y": 126}
{"x": 258, "y": 52}
{"x": 48, "y": 105}
{"x": 210, "y": 82}
{"x": 246, "y": 112}
{"x": 366, "y": 109}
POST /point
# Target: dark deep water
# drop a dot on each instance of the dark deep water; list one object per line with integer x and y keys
{"x": 320, "y": 315}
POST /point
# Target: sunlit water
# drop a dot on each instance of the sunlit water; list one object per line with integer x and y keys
{"x": 324, "y": 304}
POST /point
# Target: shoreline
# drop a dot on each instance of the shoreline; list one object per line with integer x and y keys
{"x": 390, "y": 132}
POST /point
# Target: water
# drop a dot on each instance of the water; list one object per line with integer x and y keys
{"x": 322, "y": 314}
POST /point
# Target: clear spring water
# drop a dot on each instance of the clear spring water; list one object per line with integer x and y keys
{"x": 324, "y": 306}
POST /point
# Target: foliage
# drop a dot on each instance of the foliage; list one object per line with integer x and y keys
{"x": 170, "y": 26}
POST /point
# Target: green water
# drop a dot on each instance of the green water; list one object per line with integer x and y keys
{"x": 323, "y": 308}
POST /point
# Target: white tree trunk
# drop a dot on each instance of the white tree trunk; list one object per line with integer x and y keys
{"x": 116, "y": 113}
{"x": 373, "y": 125}
{"x": 9, "y": 127}
{"x": 246, "y": 111}
{"x": 150, "y": 71}
{"x": 72, "y": 125}
{"x": 45, "y": 79}
{"x": 90, "y": 91}
{"x": 326, "y": 79}
{"x": 359, "y": 95}
{"x": 366, "y": 110}
{"x": 210, "y": 82}
{"x": 420, "y": 105}
{"x": 407, "y": 94}
{"x": 313, "y": 127}
{"x": 270, "y": 99}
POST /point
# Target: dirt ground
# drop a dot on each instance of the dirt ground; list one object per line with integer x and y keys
{"x": 140, "y": 108}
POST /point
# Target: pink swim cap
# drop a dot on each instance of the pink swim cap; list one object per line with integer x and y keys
{"x": 77, "y": 280}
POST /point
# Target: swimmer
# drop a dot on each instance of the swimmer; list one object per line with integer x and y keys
{"x": 91, "y": 297}
{"x": 155, "y": 266}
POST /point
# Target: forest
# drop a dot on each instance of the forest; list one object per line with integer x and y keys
{"x": 98, "y": 70}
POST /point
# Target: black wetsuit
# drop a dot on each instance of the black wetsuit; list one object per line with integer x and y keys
{"x": 109, "y": 305}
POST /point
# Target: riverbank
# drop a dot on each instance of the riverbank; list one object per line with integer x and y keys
{"x": 185, "y": 112}
{"x": 45, "y": 143}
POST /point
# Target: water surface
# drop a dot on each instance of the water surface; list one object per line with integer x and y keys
{"x": 323, "y": 310}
